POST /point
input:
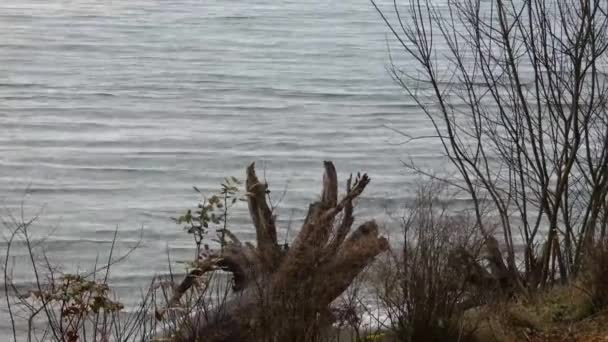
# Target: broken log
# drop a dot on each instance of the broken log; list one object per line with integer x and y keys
{"x": 283, "y": 295}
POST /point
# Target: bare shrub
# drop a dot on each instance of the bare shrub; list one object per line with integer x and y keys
{"x": 423, "y": 287}
{"x": 595, "y": 279}
{"x": 64, "y": 306}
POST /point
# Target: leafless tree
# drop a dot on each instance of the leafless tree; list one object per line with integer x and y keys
{"x": 516, "y": 92}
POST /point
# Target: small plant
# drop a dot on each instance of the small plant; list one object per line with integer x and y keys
{"x": 67, "y": 307}
{"x": 78, "y": 299}
{"x": 211, "y": 214}
{"x": 376, "y": 337}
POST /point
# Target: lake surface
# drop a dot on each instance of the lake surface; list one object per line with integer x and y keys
{"x": 110, "y": 111}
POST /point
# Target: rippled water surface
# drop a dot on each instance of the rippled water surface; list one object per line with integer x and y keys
{"x": 111, "y": 110}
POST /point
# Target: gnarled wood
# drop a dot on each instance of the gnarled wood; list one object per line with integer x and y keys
{"x": 284, "y": 293}
{"x": 357, "y": 251}
{"x": 329, "y": 197}
{"x": 263, "y": 219}
{"x": 346, "y": 223}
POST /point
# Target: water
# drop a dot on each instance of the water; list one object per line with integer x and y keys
{"x": 112, "y": 110}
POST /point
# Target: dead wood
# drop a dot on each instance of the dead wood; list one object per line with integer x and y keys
{"x": 274, "y": 289}
{"x": 263, "y": 220}
{"x": 493, "y": 275}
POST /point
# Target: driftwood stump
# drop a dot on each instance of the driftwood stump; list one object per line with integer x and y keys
{"x": 285, "y": 295}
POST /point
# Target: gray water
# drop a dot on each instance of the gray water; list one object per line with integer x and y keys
{"x": 110, "y": 111}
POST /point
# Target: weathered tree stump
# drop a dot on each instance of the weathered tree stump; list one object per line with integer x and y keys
{"x": 285, "y": 295}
